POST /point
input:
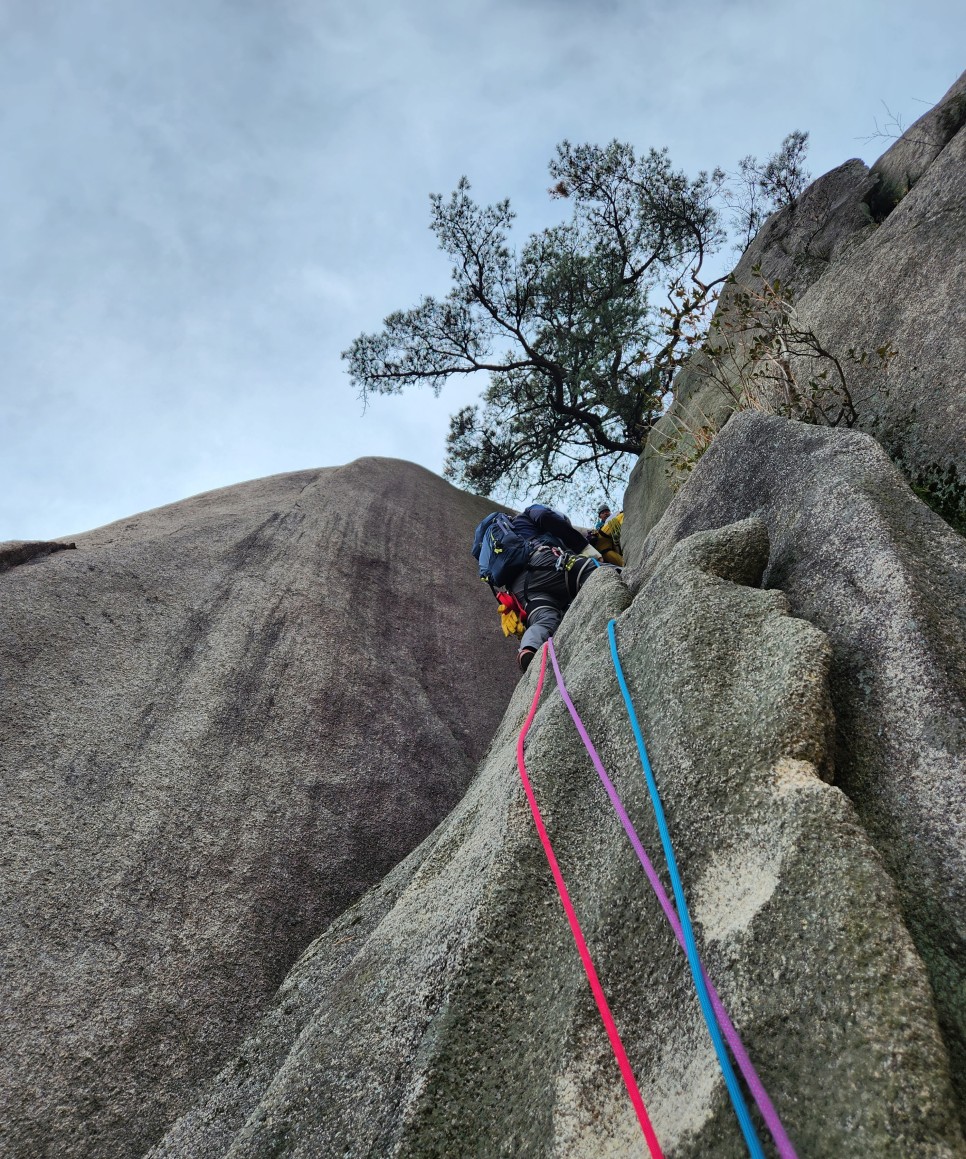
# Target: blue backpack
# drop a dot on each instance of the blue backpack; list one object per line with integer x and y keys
{"x": 501, "y": 551}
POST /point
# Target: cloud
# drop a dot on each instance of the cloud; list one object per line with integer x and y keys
{"x": 206, "y": 200}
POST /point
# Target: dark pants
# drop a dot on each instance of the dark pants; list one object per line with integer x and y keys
{"x": 546, "y": 588}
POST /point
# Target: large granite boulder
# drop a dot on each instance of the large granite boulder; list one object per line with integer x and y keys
{"x": 220, "y": 722}
{"x": 873, "y": 259}
{"x": 794, "y": 247}
{"x": 861, "y": 558}
{"x": 906, "y": 161}
{"x": 902, "y": 285}
{"x": 446, "y": 1013}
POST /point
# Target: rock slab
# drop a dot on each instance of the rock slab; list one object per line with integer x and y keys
{"x": 446, "y": 1013}
{"x": 861, "y": 558}
{"x": 220, "y": 723}
{"x": 874, "y": 260}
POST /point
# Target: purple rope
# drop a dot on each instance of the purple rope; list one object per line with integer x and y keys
{"x": 755, "y": 1085}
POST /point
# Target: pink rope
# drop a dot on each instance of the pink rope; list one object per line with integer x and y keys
{"x": 615, "y": 1041}
{"x": 755, "y": 1085}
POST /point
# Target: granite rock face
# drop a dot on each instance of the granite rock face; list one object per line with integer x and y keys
{"x": 874, "y": 260}
{"x": 861, "y": 558}
{"x": 446, "y": 1013}
{"x": 794, "y": 247}
{"x": 220, "y": 722}
{"x": 902, "y": 284}
{"x": 905, "y": 162}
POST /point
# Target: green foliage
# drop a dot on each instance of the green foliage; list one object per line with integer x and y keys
{"x": 583, "y": 328}
{"x": 580, "y": 331}
{"x": 764, "y": 187}
{"x": 941, "y": 488}
{"x": 760, "y": 353}
{"x": 692, "y": 432}
{"x": 761, "y": 356}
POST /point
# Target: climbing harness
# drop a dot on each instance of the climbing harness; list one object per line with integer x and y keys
{"x": 513, "y": 616}
{"x": 731, "y": 1081}
{"x": 567, "y": 559}
{"x": 615, "y": 1041}
{"x": 782, "y": 1142}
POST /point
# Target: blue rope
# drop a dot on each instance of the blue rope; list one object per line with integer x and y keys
{"x": 731, "y": 1081}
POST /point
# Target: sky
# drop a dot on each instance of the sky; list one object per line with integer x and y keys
{"x": 202, "y": 202}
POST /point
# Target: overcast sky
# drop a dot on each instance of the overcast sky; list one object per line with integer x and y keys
{"x": 203, "y": 202}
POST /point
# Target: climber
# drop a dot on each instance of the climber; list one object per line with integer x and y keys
{"x": 540, "y": 559}
{"x": 603, "y": 514}
{"x": 607, "y": 539}
{"x": 546, "y": 588}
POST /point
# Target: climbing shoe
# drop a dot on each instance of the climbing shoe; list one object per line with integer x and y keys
{"x": 524, "y": 656}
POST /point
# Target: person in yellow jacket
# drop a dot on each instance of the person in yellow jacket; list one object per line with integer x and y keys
{"x": 607, "y": 539}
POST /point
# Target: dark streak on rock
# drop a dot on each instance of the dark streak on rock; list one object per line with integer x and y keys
{"x": 19, "y": 551}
